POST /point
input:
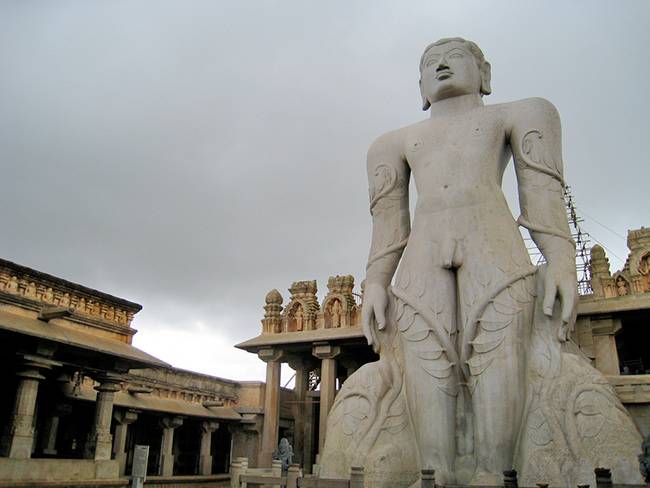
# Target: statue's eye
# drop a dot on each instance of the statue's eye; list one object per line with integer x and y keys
{"x": 455, "y": 55}
{"x": 432, "y": 60}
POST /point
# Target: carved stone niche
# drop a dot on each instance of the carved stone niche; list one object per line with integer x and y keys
{"x": 622, "y": 284}
{"x": 302, "y": 310}
{"x": 272, "y": 321}
{"x": 339, "y": 305}
{"x": 643, "y": 266}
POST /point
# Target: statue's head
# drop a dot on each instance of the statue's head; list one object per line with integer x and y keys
{"x": 451, "y": 67}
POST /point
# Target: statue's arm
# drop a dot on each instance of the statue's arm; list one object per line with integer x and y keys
{"x": 388, "y": 180}
{"x": 536, "y": 142}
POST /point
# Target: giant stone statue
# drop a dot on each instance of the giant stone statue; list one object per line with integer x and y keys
{"x": 477, "y": 371}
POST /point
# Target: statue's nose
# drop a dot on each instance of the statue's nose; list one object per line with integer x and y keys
{"x": 442, "y": 64}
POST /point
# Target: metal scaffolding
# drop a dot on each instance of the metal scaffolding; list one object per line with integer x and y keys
{"x": 581, "y": 239}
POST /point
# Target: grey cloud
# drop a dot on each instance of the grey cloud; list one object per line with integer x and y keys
{"x": 192, "y": 156}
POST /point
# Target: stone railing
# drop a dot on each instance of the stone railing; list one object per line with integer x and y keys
{"x": 244, "y": 477}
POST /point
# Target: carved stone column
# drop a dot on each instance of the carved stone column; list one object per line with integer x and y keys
{"x": 247, "y": 437}
{"x": 21, "y": 428}
{"x": 100, "y": 440}
{"x": 309, "y": 432}
{"x": 52, "y": 428}
{"x": 604, "y": 331}
{"x": 168, "y": 425}
{"x": 301, "y": 386}
{"x": 205, "y": 455}
{"x": 327, "y": 354}
{"x": 271, "y": 405}
{"x": 123, "y": 418}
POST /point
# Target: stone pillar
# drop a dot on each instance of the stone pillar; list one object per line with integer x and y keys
{"x": 604, "y": 330}
{"x": 238, "y": 467}
{"x": 123, "y": 418}
{"x": 168, "y": 425}
{"x": 271, "y": 405}
{"x": 276, "y": 471}
{"x": 52, "y": 428}
{"x": 308, "y": 439}
{"x": 301, "y": 386}
{"x": 21, "y": 427}
{"x": 100, "y": 440}
{"x": 292, "y": 475}
{"x": 327, "y": 354}
{"x": 205, "y": 455}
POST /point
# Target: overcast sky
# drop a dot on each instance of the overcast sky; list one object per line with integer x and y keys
{"x": 192, "y": 155}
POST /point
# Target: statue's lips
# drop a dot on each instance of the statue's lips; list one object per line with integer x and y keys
{"x": 444, "y": 75}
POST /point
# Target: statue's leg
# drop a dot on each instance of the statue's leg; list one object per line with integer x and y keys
{"x": 425, "y": 308}
{"x": 497, "y": 364}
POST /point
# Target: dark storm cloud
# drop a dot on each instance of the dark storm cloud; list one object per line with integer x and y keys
{"x": 192, "y": 156}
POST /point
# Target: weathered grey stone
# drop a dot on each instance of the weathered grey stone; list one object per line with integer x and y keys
{"x": 476, "y": 374}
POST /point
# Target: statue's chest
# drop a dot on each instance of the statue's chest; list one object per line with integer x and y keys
{"x": 454, "y": 145}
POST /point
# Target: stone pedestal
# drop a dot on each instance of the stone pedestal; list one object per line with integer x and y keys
{"x": 123, "y": 418}
{"x": 21, "y": 428}
{"x": 327, "y": 354}
{"x": 168, "y": 425}
{"x": 100, "y": 440}
{"x": 205, "y": 456}
{"x": 271, "y": 405}
{"x": 604, "y": 332}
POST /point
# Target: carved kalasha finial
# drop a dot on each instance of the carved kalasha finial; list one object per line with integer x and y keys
{"x": 272, "y": 312}
{"x": 601, "y": 278}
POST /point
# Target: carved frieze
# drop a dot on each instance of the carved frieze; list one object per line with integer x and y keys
{"x": 340, "y": 308}
{"x": 31, "y": 287}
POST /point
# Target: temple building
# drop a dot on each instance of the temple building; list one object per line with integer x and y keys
{"x": 78, "y": 397}
{"x": 324, "y": 344}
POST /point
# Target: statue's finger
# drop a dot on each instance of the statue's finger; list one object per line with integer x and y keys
{"x": 380, "y": 316}
{"x": 550, "y": 290}
{"x": 568, "y": 297}
{"x": 365, "y": 324}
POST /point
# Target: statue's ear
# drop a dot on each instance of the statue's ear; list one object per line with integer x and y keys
{"x": 425, "y": 102}
{"x": 486, "y": 75}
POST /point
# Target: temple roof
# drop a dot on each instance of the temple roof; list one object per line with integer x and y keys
{"x": 77, "y": 339}
{"x": 309, "y": 336}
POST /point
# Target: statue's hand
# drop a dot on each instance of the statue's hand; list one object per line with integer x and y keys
{"x": 560, "y": 281}
{"x": 373, "y": 313}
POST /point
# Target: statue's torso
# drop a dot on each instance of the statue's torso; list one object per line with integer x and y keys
{"x": 459, "y": 159}
{"x": 457, "y": 164}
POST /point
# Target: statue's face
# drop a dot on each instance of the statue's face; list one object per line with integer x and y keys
{"x": 449, "y": 70}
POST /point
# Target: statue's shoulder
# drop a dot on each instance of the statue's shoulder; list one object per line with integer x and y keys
{"x": 395, "y": 141}
{"x": 528, "y": 109}
{"x": 389, "y": 143}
